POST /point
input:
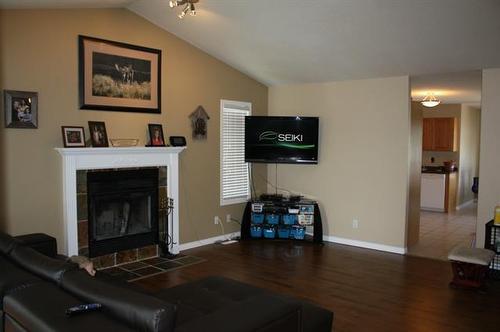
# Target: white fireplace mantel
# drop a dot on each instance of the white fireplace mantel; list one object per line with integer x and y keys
{"x": 74, "y": 159}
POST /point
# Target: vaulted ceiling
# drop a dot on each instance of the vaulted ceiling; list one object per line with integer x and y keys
{"x": 301, "y": 41}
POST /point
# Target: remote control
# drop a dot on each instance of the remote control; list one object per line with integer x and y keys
{"x": 83, "y": 308}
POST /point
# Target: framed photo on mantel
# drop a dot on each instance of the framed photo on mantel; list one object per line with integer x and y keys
{"x": 73, "y": 137}
{"x": 114, "y": 76}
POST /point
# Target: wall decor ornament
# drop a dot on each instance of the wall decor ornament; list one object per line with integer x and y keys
{"x": 199, "y": 121}
{"x": 115, "y": 76}
{"x": 21, "y": 109}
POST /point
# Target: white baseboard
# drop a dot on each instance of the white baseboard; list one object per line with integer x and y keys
{"x": 463, "y": 205}
{"x": 366, "y": 245}
{"x": 327, "y": 238}
{"x": 205, "y": 242}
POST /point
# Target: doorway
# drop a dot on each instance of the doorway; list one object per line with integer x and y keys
{"x": 445, "y": 160}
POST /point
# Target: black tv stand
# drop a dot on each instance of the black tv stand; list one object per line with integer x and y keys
{"x": 299, "y": 217}
{"x": 271, "y": 197}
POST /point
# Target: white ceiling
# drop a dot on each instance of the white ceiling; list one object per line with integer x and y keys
{"x": 451, "y": 88}
{"x": 63, "y": 3}
{"x": 301, "y": 41}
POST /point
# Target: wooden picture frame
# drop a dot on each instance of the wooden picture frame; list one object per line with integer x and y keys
{"x": 156, "y": 137}
{"x": 98, "y": 134}
{"x": 21, "y": 109}
{"x": 115, "y": 76}
{"x": 73, "y": 137}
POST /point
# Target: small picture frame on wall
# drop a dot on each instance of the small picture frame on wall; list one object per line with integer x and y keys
{"x": 98, "y": 134}
{"x": 73, "y": 137}
{"x": 156, "y": 135}
{"x": 21, "y": 109}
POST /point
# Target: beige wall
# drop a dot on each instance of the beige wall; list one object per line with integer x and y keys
{"x": 363, "y": 159}
{"x": 489, "y": 162}
{"x": 442, "y": 111}
{"x": 413, "y": 229}
{"x": 38, "y": 52}
{"x": 470, "y": 126}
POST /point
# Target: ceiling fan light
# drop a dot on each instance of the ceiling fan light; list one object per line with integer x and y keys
{"x": 173, "y": 3}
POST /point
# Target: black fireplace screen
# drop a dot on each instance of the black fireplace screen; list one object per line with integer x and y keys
{"x": 122, "y": 215}
{"x": 123, "y": 210}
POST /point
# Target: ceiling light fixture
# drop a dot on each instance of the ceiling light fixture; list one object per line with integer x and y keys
{"x": 188, "y": 8}
{"x": 430, "y": 100}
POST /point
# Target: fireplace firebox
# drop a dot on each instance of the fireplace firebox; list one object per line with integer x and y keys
{"x": 122, "y": 210}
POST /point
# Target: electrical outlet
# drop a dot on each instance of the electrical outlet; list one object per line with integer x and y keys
{"x": 355, "y": 223}
{"x": 216, "y": 220}
{"x": 228, "y": 218}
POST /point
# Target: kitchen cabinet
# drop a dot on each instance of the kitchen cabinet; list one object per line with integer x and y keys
{"x": 440, "y": 134}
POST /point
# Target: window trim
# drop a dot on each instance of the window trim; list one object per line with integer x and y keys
{"x": 239, "y": 200}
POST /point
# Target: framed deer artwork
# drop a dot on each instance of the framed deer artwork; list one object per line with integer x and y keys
{"x": 115, "y": 76}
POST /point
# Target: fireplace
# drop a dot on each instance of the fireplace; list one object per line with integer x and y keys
{"x": 122, "y": 210}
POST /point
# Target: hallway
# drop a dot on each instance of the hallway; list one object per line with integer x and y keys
{"x": 441, "y": 232}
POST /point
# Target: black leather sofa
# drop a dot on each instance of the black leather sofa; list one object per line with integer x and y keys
{"x": 36, "y": 290}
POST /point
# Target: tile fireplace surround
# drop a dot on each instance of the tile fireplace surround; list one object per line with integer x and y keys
{"x": 75, "y": 159}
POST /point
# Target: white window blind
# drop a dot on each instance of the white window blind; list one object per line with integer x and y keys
{"x": 235, "y": 185}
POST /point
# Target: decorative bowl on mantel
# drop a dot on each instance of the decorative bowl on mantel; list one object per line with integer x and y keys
{"x": 123, "y": 142}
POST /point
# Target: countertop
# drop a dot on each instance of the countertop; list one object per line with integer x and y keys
{"x": 437, "y": 170}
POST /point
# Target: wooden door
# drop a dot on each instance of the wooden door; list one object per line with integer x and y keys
{"x": 444, "y": 134}
{"x": 428, "y": 134}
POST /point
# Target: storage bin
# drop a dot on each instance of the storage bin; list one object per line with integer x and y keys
{"x": 257, "y": 218}
{"x": 272, "y": 219}
{"x": 289, "y": 219}
{"x": 256, "y": 231}
{"x": 269, "y": 232}
{"x": 298, "y": 232}
{"x": 284, "y": 232}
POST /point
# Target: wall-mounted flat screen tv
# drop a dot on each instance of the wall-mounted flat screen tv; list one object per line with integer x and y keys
{"x": 281, "y": 139}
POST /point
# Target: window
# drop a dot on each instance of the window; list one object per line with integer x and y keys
{"x": 234, "y": 177}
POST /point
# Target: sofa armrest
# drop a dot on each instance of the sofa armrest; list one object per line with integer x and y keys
{"x": 139, "y": 310}
{"x": 263, "y": 313}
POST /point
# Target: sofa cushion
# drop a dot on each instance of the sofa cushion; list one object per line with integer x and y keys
{"x": 42, "y": 307}
{"x": 208, "y": 296}
{"x": 141, "y": 311}
{"x": 203, "y": 297}
{"x": 262, "y": 313}
{"x": 45, "y": 267}
{"x": 228, "y": 305}
{"x": 7, "y": 243}
{"x": 13, "y": 277}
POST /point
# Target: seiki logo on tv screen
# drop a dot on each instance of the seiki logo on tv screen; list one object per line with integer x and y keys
{"x": 287, "y": 140}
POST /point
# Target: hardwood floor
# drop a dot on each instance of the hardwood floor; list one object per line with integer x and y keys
{"x": 367, "y": 290}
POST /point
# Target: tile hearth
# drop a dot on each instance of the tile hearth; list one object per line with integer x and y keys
{"x": 149, "y": 267}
